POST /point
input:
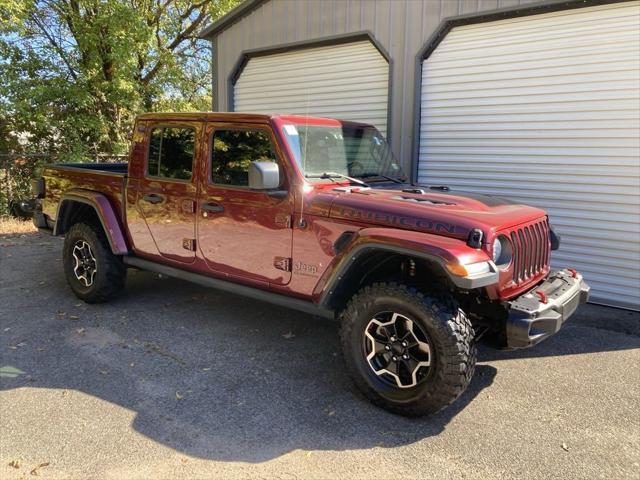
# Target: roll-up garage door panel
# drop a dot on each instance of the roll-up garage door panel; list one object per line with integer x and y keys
{"x": 545, "y": 110}
{"x": 348, "y": 81}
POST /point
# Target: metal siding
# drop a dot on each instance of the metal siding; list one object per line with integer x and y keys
{"x": 348, "y": 81}
{"x": 257, "y": 31}
{"x": 545, "y": 110}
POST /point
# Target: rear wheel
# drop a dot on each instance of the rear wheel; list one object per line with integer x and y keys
{"x": 410, "y": 353}
{"x": 93, "y": 272}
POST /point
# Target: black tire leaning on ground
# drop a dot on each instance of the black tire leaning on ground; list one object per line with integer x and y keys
{"x": 449, "y": 334}
{"x": 110, "y": 273}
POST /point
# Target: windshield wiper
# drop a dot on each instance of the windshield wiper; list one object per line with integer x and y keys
{"x": 391, "y": 179}
{"x": 332, "y": 175}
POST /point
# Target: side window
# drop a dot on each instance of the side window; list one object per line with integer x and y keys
{"x": 171, "y": 152}
{"x": 234, "y": 150}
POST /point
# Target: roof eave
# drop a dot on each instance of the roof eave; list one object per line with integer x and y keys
{"x": 231, "y": 17}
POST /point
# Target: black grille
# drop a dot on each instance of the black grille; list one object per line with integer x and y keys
{"x": 530, "y": 250}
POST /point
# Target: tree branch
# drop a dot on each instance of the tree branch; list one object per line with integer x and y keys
{"x": 55, "y": 45}
{"x": 161, "y": 9}
{"x": 185, "y": 34}
{"x": 179, "y": 38}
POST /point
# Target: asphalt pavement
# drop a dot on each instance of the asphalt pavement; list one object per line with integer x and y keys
{"x": 172, "y": 380}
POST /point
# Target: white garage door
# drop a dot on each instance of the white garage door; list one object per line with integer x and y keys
{"x": 348, "y": 81}
{"x": 545, "y": 110}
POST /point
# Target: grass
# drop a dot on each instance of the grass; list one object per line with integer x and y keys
{"x": 15, "y": 226}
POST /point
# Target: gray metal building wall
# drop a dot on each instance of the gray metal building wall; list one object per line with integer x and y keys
{"x": 402, "y": 27}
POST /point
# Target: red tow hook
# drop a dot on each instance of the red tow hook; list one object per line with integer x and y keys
{"x": 574, "y": 272}
{"x": 541, "y": 295}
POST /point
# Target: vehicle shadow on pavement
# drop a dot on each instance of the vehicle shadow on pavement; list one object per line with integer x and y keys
{"x": 210, "y": 374}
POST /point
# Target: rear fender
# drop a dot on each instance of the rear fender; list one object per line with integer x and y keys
{"x": 104, "y": 211}
{"x": 440, "y": 251}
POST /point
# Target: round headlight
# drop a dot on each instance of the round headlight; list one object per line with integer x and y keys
{"x": 497, "y": 250}
{"x": 502, "y": 251}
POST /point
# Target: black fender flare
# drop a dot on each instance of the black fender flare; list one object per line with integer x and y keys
{"x": 104, "y": 211}
{"x": 436, "y": 252}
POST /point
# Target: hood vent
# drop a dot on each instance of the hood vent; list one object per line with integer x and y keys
{"x": 402, "y": 198}
{"x": 420, "y": 191}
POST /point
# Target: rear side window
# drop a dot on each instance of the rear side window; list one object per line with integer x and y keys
{"x": 234, "y": 150}
{"x": 171, "y": 152}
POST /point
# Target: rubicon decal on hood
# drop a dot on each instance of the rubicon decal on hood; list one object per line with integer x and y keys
{"x": 387, "y": 218}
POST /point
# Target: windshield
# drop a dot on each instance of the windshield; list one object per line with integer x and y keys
{"x": 354, "y": 151}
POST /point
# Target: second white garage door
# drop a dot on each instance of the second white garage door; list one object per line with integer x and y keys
{"x": 545, "y": 110}
{"x": 348, "y": 81}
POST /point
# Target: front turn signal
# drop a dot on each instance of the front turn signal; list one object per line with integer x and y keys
{"x": 469, "y": 270}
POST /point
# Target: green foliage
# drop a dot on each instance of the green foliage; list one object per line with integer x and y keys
{"x": 76, "y": 72}
{"x": 233, "y": 152}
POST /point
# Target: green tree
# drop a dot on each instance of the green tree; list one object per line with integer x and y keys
{"x": 75, "y": 72}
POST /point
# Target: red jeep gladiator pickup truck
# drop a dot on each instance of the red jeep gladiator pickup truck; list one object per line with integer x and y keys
{"x": 315, "y": 214}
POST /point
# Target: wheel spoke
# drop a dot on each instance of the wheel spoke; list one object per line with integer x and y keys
{"x": 425, "y": 351}
{"x": 380, "y": 334}
{"x": 403, "y": 326}
{"x": 388, "y": 330}
{"x": 392, "y": 368}
{"x": 410, "y": 339}
{"x": 379, "y": 347}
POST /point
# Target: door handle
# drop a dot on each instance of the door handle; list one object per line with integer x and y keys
{"x": 211, "y": 208}
{"x": 153, "y": 198}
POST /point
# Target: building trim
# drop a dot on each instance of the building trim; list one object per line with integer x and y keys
{"x": 214, "y": 78}
{"x": 480, "y": 17}
{"x": 340, "y": 39}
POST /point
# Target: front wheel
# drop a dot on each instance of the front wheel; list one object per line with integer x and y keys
{"x": 93, "y": 272}
{"x": 410, "y": 353}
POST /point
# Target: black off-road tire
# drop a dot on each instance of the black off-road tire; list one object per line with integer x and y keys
{"x": 450, "y": 336}
{"x": 110, "y": 272}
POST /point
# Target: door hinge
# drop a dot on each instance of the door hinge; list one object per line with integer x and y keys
{"x": 282, "y": 263}
{"x": 189, "y": 244}
{"x": 283, "y": 220}
{"x": 189, "y": 206}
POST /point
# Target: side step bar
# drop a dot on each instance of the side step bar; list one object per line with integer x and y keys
{"x": 235, "y": 288}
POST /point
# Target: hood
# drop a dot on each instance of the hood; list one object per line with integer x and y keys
{"x": 443, "y": 212}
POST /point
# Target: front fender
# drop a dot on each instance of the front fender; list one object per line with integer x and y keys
{"x": 104, "y": 210}
{"x": 440, "y": 250}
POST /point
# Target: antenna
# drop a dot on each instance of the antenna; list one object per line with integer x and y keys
{"x": 302, "y": 223}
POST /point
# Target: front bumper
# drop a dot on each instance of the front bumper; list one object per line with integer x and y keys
{"x": 541, "y": 311}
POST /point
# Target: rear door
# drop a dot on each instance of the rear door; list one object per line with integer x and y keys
{"x": 244, "y": 233}
{"x": 167, "y": 191}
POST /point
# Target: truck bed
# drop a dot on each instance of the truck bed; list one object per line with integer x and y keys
{"x": 107, "y": 178}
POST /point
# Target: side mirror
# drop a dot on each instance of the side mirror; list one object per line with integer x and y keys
{"x": 264, "y": 175}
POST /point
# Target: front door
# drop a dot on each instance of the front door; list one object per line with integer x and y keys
{"x": 244, "y": 233}
{"x": 167, "y": 192}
